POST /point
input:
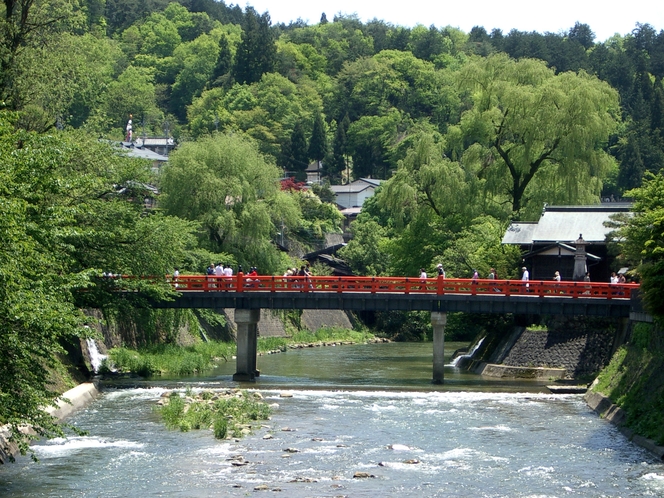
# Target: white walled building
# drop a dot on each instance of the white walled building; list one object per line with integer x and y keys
{"x": 355, "y": 193}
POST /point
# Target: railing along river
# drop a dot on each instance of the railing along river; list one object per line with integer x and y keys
{"x": 401, "y": 285}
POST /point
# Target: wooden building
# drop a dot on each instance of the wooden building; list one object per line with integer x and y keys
{"x": 549, "y": 244}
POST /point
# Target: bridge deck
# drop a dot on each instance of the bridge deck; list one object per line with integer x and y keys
{"x": 402, "y": 293}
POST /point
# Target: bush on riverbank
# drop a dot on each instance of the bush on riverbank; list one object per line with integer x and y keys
{"x": 231, "y": 413}
{"x": 169, "y": 358}
{"x": 634, "y": 380}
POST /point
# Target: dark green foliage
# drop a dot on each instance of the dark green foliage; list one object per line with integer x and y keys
{"x": 642, "y": 240}
{"x": 220, "y": 76}
{"x": 336, "y": 167}
{"x": 404, "y": 326}
{"x": 298, "y": 159}
{"x": 256, "y": 54}
{"x": 70, "y": 211}
{"x": 318, "y": 141}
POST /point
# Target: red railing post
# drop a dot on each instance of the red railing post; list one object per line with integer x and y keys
{"x": 440, "y": 287}
{"x": 240, "y": 282}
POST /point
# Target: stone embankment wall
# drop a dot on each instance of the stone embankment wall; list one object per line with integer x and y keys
{"x": 581, "y": 346}
{"x": 580, "y": 353}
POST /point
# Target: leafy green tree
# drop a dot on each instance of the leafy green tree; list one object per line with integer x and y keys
{"x": 535, "y": 128}
{"x": 478, "y": 247}
{"x": 28, "y": 24}
{"x": 583, "y": 34}
{"x": 197, "y": 60}
{"x": 67, "y": 215}
{"x": 267, "y": 111}
{"x": 369, "y": 141}
{"x": 226, "y": 185}
{"x": 66, "y": 78}
{"x": 133, "y": 92}
{"x": 224, "y": 62}
{"x": 318, "y": 219}
{"x": 256, "y": 54}
{"x": 366, "y": 252}
{"x": 159, "y": 35}
{"x": 642, "y": 240}
{"x": 337, "y": 42}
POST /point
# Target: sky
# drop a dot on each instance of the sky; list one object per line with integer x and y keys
{"x": 605, "y": 18}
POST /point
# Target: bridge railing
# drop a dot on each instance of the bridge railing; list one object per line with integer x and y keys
{"x": 401, "y": 285}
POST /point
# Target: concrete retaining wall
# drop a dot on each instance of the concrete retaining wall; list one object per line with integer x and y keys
{"x": 504, "y": 371}
{"x": 78, "y": 397}
{"x": 316, "y": 319}
{"x": 614, "y": 414}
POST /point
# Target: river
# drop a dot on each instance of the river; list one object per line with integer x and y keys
{"x": 363, "y": 408}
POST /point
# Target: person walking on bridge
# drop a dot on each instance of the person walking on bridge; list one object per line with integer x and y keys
{"x": 525, "y": 276}
{"x": 441, "y": 271}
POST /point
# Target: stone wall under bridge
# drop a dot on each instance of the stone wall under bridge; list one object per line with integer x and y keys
{"x": 270, "y": 325}
{"x": 578, "y": 347}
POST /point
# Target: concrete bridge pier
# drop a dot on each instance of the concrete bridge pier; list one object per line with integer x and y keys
{"x": 438, "y": 322}
{"x": 247, "y": 343}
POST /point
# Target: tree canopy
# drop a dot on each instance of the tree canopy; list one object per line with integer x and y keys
{"x": 72, "y": 208}
{"x": 541, "y": 135}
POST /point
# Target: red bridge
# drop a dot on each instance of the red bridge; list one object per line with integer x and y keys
{"x": 436, "y": 295}
{"x": 401, "y": 285}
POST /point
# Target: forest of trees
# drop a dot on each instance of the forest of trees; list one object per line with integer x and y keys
{"x": 469, "y": 130}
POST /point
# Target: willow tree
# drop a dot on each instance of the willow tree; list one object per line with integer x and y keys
{"x": 225, "y": 184}
{"x": 429, "y": 199}
{"x": 541, "y": 136}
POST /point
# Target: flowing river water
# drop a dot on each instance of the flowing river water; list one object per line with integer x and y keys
{"x": 363, "y": 408}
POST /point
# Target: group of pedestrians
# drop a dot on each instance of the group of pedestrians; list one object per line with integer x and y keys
{"x": 220, "y": 270}
{"x": 440, "y": 271}
{"x": 298, "y": 275}
{"x": 618, "y": 278}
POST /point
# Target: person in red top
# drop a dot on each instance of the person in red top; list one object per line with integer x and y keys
{"x": 251, "y": 281}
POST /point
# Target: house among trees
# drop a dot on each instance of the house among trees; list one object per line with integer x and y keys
{"x": 133, "y": 150}
{"x": 160, "y": 145}
{"x": 549, "y": 244}
{"x": 314, "y": 172}
{"x": 353, "y": 195}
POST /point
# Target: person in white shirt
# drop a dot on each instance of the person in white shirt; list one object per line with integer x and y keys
{"x": 525, "y": 276}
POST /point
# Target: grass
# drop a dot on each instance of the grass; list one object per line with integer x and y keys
{"x": 177, "y": 360}
{"x": 634, "y": 380}
{"x": 232, "y": 414}
{"x": 324, "y": 334}
{"x": 169, "y": 358}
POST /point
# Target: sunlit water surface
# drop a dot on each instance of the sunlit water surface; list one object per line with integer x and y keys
{"x": 353, "y": 409}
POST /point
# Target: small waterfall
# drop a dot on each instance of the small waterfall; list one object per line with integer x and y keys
{"x": 95, "y": 356}
{"x": 467, "y": 356}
